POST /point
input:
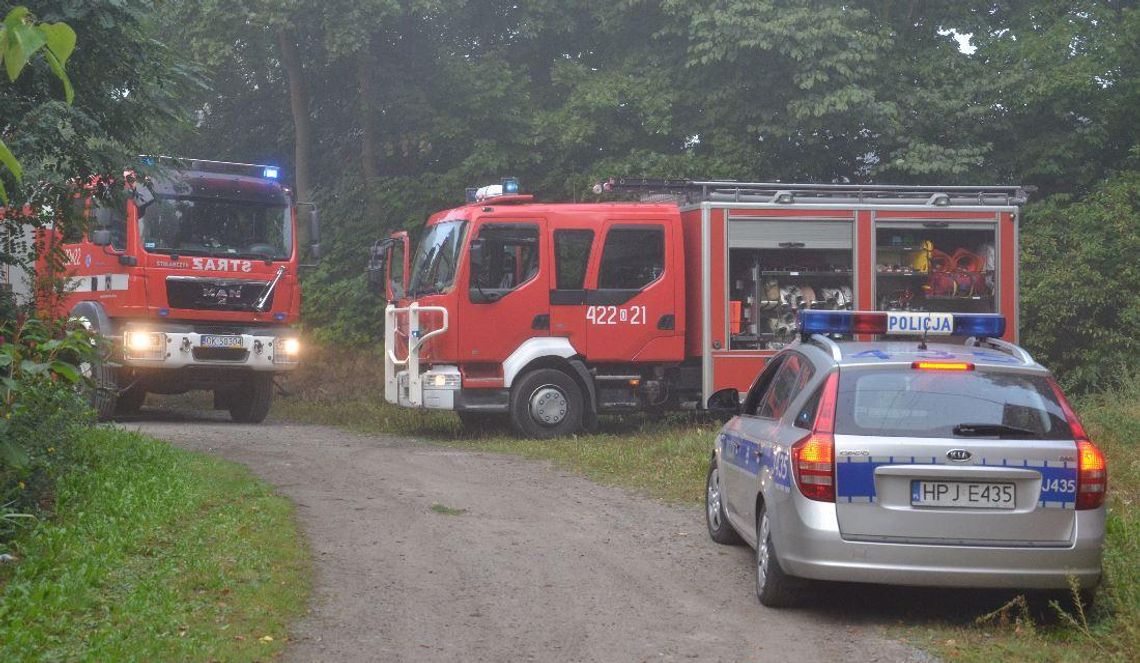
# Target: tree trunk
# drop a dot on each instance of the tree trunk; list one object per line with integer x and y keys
{"x": 366, "y": 88}
{"x": 302, "y": 127}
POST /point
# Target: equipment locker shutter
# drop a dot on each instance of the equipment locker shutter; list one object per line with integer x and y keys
{"x": 755, "y": 233}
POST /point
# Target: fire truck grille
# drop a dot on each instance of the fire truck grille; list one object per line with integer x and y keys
{"x": 215, "y": 294}
{"x": 220, "y": 354}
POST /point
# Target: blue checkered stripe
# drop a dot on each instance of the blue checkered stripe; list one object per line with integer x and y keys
{"x": 744, "y": 456}
{"x": 855, "y": 476}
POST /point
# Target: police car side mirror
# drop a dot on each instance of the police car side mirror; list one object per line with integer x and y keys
{"x": 101, "y": 237}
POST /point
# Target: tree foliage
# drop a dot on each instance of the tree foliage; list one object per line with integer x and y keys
{"x": 411, "y": 101}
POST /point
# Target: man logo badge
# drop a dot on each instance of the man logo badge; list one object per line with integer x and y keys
{"x": 959, "y": 455}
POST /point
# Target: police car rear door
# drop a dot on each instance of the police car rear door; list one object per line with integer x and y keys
{"x": 755, "y": 461}
{"x": 952, "y": 453}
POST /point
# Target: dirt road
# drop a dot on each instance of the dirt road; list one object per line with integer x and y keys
{"x": 538, "y": 565}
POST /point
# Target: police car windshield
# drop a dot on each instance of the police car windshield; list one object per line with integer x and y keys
{"x": 948, "y": 404}
{"x": 433, "y": 266}
{"x": 216, "y": 227}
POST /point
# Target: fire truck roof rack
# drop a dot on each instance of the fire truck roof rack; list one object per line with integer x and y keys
{"x": 211, "y": 166}
{"x": 784, "y": 193}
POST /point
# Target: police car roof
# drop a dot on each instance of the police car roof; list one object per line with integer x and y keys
{"x": 877, "y": 353}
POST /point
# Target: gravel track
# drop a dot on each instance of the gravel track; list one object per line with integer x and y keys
{"x": 539, "y": 566}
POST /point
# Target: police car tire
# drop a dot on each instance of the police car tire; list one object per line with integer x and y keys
{"x": 529, "y": 385}
{"x": 778, "y": 589}
{"x": 250, "y": 403}
{"x": 722, "y": 532}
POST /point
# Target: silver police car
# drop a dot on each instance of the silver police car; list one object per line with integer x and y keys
{"x": 909, "y": 463}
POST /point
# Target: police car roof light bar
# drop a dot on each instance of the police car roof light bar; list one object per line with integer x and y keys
{"x": 909, "y": 323}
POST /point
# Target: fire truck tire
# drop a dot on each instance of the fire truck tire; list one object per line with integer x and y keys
{"x": 546, "y": 403}
{"x": 250, "y": 403}
{"x": 130, "y": 401}
{"x": 104, "y": 390}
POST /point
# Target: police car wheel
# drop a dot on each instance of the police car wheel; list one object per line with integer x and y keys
{"x": 774, "y": 588}
{"x": 720, "y": 530}
{"x": 546, "y": 403}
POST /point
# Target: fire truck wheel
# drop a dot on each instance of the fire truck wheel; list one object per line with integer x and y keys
{"x": 546, "y": 403}
{"x": 130, "y": 401}
{"x": 103, "y": 393}
{"x": 250, "y": 403}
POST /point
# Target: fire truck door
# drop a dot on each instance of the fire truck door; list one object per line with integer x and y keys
{"x": 633, "y": 302}
{"x": 506, "y": 298}
{"x": 573, "y": 250}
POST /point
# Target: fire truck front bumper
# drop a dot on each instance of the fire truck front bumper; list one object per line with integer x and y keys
{"x": 440, "y": 388}
{"x": 179, "y": 346}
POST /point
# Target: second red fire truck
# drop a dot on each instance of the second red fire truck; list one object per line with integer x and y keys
{"x": 192, "y": 278}
{"x": 554, "y": 313}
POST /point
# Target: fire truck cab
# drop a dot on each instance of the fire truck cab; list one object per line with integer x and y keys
{"x": 194, "y": 281}
{"x": 554, "y": 313}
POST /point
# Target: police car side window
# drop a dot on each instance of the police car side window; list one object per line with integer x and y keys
{"x": 787, "y": 383}
{"x": 806, "y": 417}
{"x": 760, "y": 386}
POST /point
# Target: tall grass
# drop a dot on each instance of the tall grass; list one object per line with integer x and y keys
{"x": 156, "y": 554}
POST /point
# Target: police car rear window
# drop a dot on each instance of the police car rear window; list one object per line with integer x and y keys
{"x": 915, "y": 403}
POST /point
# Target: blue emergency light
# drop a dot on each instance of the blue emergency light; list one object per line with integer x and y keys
{"x": 270, "y": 172}
{"x": 510, "y": 186}
{"x": 902, "y": 323}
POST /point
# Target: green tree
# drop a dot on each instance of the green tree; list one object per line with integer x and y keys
{"x": 21, "y": 37}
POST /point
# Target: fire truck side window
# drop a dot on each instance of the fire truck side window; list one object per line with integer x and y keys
{"x": 633, "y": 257}
{"x": 571, "y": 255}
{"x": 510, "y": 257}
{"x": 113, "y": 218}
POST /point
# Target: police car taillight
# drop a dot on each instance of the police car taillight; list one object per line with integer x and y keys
{"x": 1092, "y": 471}
{"x": 942, "y": 366}
{"x": 813, "y": 458}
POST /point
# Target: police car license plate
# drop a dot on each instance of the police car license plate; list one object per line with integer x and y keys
{"x": 218, "y": 341}
{"x": 971, "y": 495}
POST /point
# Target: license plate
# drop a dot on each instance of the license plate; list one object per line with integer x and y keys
{"x": 963, "y": 494}
{"x": 217, "y": 341}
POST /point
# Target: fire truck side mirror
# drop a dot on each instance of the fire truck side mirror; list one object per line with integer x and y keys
{"x": 101, "y": 237}
{"x": 315, "y": 231}
{"x": 376, "y": 267}
{"x": 725, "y": 402}
{"x": 143, "y": 195}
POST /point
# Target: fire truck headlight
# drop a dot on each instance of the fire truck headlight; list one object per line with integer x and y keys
{"x": 286, "y": 350}
{"x": 290, "y": 346}
{"x": 142, "y": 344}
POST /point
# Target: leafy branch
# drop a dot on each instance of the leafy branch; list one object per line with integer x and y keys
{"x": 21, "y": 37}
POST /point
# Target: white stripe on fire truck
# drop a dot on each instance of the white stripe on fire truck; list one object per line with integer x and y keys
{"x": 97, "y": 282}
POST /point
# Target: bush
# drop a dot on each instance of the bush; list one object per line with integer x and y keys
{"x": 42, "y": 411}
{"x": 1080, "y": 285}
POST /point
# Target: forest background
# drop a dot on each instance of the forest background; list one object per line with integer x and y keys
{"x": 383, "y": 111}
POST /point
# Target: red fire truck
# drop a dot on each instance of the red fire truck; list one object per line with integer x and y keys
{"x": 554, "y": 313}
{"x": 193, "y": 280}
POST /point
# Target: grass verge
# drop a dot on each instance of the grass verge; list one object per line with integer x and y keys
{"x": 157, "y": 554}
{"x": 668, "y": 457}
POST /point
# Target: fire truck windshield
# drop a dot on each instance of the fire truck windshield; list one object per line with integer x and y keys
{"x": 217, "y": 227}
{"x": 433, "y": 266}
